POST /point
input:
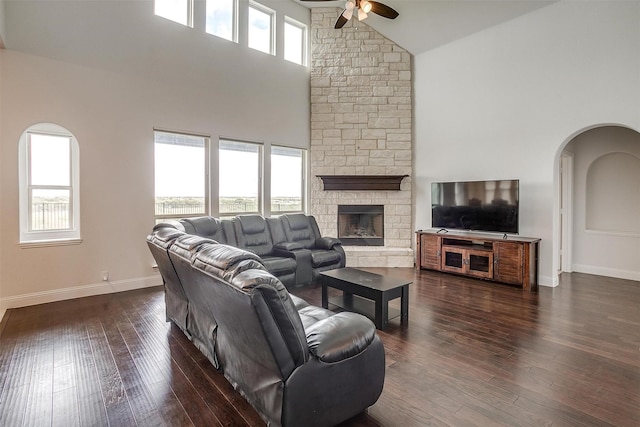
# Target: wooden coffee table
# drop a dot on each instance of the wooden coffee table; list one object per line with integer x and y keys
{"x": 367, "y": 293}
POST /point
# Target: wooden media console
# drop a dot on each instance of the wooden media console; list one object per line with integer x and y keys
{"x": 512, "y": 260}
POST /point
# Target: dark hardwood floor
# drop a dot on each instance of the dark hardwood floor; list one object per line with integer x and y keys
{"x": 472, "y": 353}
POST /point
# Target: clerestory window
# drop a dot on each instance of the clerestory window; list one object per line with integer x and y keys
{"x": 222, "y": 19}
{"x": 295, "y": 41}
{"x": 180, "y": 11}
{"x": 261, "y": 28}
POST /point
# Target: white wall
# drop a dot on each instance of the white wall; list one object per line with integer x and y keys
{"x": 503, "y": 102}
{"x": 609, "y": 244}
{"x": 110, "y": 72}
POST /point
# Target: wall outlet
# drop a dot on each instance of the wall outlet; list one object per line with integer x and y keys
{"x": 105, "y": 276}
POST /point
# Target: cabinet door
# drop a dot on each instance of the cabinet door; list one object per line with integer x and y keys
{"x": 508, "y": 262}
{"x": 480, "y": 263}
{"x": 454, "y": 259}
{"x": 430, "y": 251}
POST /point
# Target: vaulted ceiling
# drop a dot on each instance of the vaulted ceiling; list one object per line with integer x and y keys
{"x": 426, "y": 24}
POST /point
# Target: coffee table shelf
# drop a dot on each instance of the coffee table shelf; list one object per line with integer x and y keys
{"x": 361, "y": 305}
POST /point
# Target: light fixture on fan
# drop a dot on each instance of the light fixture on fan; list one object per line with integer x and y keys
{"x": 363, "y": 7}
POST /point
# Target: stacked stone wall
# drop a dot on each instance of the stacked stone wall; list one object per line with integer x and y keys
{"x": 361, "y": 124}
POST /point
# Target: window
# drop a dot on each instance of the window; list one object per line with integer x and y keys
{"x": 180, "y": 175}
{"x": 49, "y": 184}
{"x": 240, "y": 172}
{"x": 287, "y": 179}
{"x": 295, "y": 41}
{"x": 180, "y": 11}
{"x": 221, "y": 19}
{"x": 261, "y": 26}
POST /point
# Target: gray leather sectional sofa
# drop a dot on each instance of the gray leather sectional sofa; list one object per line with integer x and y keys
{"x": 296, "y": 364}
{"x": 290, "y": 246}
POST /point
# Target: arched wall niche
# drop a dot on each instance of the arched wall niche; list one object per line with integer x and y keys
{"x": 604, "y": 205}
{"x": 613, "y": 194}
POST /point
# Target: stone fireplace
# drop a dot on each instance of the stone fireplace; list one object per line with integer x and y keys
{"x": 361, "y": 225}
{"x": 361, "y": 127}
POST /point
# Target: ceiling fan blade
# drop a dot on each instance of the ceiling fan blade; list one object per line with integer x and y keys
{"x": 341, "y": 20}
{"x": 383, "y": 10}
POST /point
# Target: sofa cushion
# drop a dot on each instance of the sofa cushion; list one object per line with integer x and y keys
{"x": 340, "y": 336}
{"x": 297, "y": 221}
{"x": 298, "y": 229}
{"x": 212, "y": 228}
{"x": 279, "y": 265}
{"x": 252, "y": 224}
{"x": 252, "y": 234}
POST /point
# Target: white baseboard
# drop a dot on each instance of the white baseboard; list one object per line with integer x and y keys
{"x": 548, "y": 281}
{"x": 77, "y": 292}
{"x": 608, "y": 272}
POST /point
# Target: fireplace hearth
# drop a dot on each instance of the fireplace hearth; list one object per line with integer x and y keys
{"x": 361, "y": 225}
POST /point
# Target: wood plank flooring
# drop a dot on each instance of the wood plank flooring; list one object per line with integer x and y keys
{"x": 472, "y": 354}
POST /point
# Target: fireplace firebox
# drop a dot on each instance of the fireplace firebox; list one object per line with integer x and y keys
{"x": 361, "y": 225}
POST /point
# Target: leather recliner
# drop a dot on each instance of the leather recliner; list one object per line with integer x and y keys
{"x": 296, "y": 364}
{"x": 253, "y": 234}
{"x": 326, "y": 252}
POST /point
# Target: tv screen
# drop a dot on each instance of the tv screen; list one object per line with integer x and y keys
{"x": 476, "y": 205}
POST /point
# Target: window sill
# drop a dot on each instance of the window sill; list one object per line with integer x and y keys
{"x": 47, "y": 243}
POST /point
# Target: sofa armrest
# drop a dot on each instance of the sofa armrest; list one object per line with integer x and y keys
{"x": 327, "y": 242}
{"x": 340, "y": 337}
{"x": 288, "y": 246}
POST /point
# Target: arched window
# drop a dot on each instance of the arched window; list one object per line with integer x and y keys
{"x": 49, "y": 185}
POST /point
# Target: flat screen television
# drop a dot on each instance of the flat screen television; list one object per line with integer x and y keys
{"x": 476, "y": 205}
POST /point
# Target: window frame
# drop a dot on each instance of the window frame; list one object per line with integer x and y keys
{"x": 303, "y": 180}
{"x": 305, "y": 40}
{"x": 27, "y": 235}
{"x": 207, "y": 204}
{"x": 272, "y": 19}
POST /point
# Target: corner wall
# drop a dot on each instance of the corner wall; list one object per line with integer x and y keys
{"x": 361, "y": 124}
{"x": 501, "y": 104}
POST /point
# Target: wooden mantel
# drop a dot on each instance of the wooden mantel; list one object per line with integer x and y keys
{"x": 362, "y": 182}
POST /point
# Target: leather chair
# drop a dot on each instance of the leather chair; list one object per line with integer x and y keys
{"x": 326, "y": 252}
{"x": 253, "y": 235}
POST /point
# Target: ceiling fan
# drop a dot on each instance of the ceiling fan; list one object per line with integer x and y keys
{"x": 362, "y": 8}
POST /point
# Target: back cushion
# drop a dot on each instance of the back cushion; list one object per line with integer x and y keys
{"x": 159, "y": 242}
{"x": 279, "y": 317}
{"x": 253, "y": 234}
{"x": 226, "y": 262}
{"x": 298, "y": 229}
{"x": 188, "y": 245}
{"x": 207, "y": 226}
